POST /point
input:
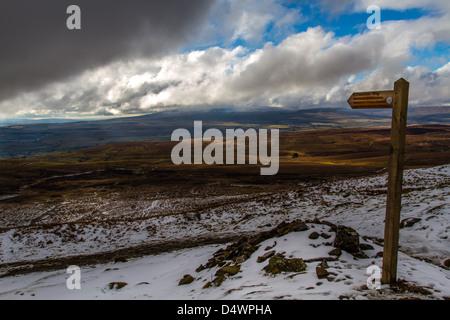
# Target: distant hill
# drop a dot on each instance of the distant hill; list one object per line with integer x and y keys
{"x": 40, "y": 138}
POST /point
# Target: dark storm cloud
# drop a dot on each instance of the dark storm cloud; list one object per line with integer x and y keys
{"x": 37, "y": 47}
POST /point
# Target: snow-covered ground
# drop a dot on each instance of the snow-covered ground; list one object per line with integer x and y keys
{"x": 358, "y": 203}
{"x": 157, "y": 277}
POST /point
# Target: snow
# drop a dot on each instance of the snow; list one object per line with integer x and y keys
{"x": 358, "y": 203}
{"x": 156, "y": 277}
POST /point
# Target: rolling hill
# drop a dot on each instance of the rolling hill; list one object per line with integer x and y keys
{"x": 41, "y": 138}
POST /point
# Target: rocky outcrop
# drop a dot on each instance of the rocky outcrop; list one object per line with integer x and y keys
{"x": 242, "y": 249}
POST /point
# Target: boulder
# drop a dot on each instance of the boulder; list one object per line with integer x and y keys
{"x": 279, "y": 263}
{"x": 228, "y": 270}
{"x": 321, "y": 272}
{"x": 347, "y": 239}
{"x": 187, "y": 279}
{"x": 314, "y": 236}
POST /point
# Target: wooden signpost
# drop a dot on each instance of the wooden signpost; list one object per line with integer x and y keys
{"x": 398, "y": 101}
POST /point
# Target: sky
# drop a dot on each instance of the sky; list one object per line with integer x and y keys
{"x": 137, "y": 57}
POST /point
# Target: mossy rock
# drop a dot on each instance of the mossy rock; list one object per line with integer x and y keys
{"x": 321, "y": 272}
{"x": 279, "y": 263}
{"x": 187, "y": 279}
{"x": 219, "y": 280}
{"x": 228, "y": 270}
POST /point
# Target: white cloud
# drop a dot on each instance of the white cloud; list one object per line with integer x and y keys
{"x": 249, "y": 20}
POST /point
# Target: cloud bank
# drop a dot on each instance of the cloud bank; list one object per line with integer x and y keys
{"x": 311, "y": 67}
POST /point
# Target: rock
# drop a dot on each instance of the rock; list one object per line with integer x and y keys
{"x": 117, "y": 285}
{"x": 228, "y": 270}
{"x": 324, "y": 264}
{"x": 187, "y": 279}
{"x": 242, "y": 249}
{"x": 314, "y": 236}
{"x": 366, "y": 246}
{"x": 266, "y": 256}
{"x": 447, "y": 263}
{"x": 321, "y": 272}
{"x": 279, "y": 263}
{"x": 335, "y": 252}
{"x": 360, "y": 255}
{"x": 285, "y": 228}
{"x": 379, "y": 254}
{"x": 200, "y": 268}
{"x": 299, "y": 226}
{"x": 271, "y": 247}
{"x": 325, "y": 235}
{"x": 219, "y": 280}
{"x": 222, "y": 274}
{"x": 241, "y": 259}
{"x": 409, "y": 222}
{"x": 347, "y": 239}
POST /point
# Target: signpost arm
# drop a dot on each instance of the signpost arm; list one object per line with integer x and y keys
{"x": 393, "y": 208}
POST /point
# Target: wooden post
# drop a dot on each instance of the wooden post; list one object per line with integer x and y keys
{"x": 398, "y": 101}
{"x": 395, "y": 180}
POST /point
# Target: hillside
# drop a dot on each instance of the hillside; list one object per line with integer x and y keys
{"x": 42, "y": 138}
{"x": 261, "y": 234}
